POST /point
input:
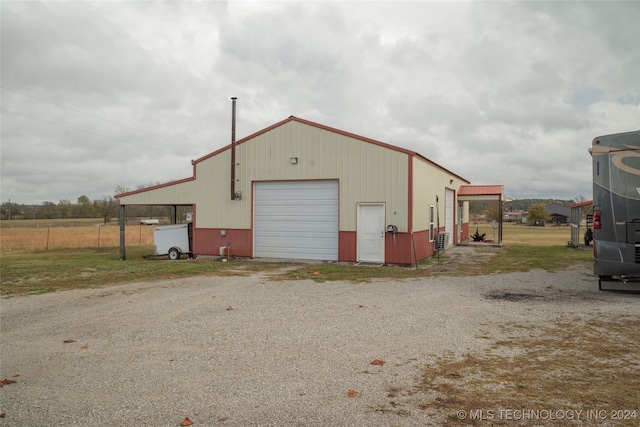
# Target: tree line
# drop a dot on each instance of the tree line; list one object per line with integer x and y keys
{"x": 480, "y": 207}
{"x": 106, "y": 208}
{"x": 535, "y": 208}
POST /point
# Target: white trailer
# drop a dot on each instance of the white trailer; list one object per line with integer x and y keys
{"x": 173, "y": 240}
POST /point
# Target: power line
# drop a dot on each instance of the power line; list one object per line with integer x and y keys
{"x": 96, "y": 117}
{"x": 85, "y": 131}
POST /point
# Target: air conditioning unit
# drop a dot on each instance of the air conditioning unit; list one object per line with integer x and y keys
{"x": 443, "y": 240}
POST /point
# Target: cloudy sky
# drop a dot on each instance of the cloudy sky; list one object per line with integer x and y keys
{"x": 102, "y": 94}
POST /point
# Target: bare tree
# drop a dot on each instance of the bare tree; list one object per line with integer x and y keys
{"x": 108, "y": 208}
{"x": 579, "y": 199}
{"x": 119, "y": 189}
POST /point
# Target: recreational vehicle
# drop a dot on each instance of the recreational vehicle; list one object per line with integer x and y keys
{"x": 616, "y": 210}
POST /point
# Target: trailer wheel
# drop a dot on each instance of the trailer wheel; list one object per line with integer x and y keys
{"x": 174, "y": 254}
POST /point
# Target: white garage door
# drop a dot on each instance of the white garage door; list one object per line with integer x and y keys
{"x": 448, "y": 214}
{"x": 296, "y": 219}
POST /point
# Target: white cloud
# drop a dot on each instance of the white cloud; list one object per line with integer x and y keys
{"x": 498, "y": 92}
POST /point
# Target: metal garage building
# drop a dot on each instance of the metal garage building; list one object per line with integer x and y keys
{"x": 303, "y": 190}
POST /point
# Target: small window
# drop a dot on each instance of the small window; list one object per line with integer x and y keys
{"x": 432, "y": 210}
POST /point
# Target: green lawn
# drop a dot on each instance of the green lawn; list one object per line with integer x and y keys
{"x": 48, "y": 271}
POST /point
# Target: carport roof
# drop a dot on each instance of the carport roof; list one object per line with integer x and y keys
{"x": 468, "y": 193}
{"x": 582, "y": 204}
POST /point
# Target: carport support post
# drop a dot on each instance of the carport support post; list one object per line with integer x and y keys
{"x": 123, "y": 255}
{"x": 500, "y": 214}
{"x": 174, "y": 214}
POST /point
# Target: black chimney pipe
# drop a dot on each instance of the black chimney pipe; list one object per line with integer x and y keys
{"x": 233, "y": 148}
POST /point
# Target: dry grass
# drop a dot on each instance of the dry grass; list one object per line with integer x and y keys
{"x": 575, "y": 365}
{"x": 28, "y": 237}
{"x": 39, "y": 235}
{"x": 549, "y": 235}
{"x": 511, "y": 258}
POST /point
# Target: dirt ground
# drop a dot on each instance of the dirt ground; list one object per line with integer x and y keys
{"x": 246, "y": 350}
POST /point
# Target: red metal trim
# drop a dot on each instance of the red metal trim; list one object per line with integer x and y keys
{"x": 306, "y": 122}
{"x": 581, "y": 204}
{"x": 347, "y": 244}
{"x": 410, "y": 196}
{"x": 155, "y": 187}
{"x": 334, "y": 130}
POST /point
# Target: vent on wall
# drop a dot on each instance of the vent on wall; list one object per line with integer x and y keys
{"x": 441, "y": 243}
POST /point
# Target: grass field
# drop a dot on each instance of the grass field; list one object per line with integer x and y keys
{"x": 524, "y": 234}
{"x": 45, "y": 256}
{"x": 50, "y": 235}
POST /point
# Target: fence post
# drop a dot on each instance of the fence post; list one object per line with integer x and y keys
{"x": 47, "y": 246}
{"x": 123, "y": 254}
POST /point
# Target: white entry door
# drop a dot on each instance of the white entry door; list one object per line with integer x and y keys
{"x": 370, "y": 231}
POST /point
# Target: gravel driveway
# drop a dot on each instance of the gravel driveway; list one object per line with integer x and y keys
{"x": 247, "y": 351}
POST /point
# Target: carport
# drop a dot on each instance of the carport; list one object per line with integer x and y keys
{"x": 122, "y": 219}
{"x": 482, "y": 193}
{"x": 577, "y": 211}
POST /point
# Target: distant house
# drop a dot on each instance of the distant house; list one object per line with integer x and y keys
{"x": 515, "y": 216}
{"x": 149, "y": 221}
{"x": 559, "y": 213}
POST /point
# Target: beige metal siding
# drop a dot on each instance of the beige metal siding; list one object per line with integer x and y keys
{"x": 429, "y": 181}
{"x": 214, "y": 207}
{"x": 465, "y": 212}
{"x": 366, "y": 172}
{"x": 177, "y": 194}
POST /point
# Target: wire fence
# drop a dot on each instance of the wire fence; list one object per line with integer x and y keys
{"x": 49, "y": 238}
